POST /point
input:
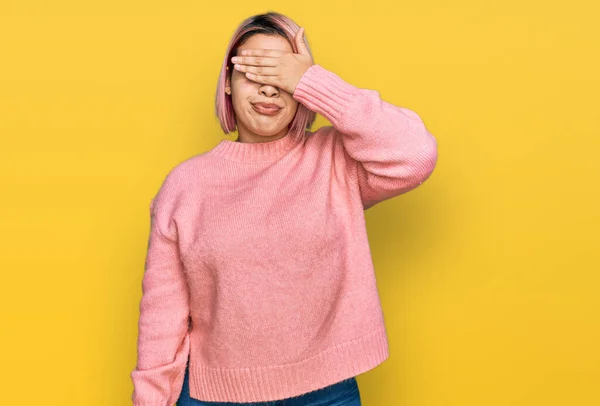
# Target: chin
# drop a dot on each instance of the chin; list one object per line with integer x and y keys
{"x": 266, "y": 133}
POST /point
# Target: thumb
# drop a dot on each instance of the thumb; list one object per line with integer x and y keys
{"x": 300, "y": 44}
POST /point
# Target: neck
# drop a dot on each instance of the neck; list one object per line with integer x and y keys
{"x": 252, "y": 138}
{"x": 268, "y": 149}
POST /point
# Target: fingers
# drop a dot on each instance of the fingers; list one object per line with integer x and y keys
{"x": 264, "y": 80}
{"x": 258, "y": 70}
{"x": 301, "y": 43}
{"x": 254, "y": 60}
{"x": 262, "y": 52}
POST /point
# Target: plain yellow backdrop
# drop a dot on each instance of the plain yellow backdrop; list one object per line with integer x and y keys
{"x": 488, "y": 272}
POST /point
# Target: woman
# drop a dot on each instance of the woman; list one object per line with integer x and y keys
{"x": 259, "y": 284}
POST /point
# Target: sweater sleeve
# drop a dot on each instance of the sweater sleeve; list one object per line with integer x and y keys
{"x": 163, "y": 340}
{"x": 391, "y": 150}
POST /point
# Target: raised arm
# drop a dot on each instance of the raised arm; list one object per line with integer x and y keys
{"x": 391, "y": 147}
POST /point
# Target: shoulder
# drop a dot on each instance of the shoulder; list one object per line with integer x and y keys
{"x": 177, "y": 180}
{"x": 324, "y": 138}
{"x": 328, "y": 139}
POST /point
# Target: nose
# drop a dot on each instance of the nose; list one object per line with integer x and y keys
{"x": 269, "y": 91}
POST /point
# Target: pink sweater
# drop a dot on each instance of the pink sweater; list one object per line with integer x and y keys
{"x": 258, "y": 266}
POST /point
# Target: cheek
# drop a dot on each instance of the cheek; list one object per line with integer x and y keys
{"x": 241, "y": 88}
{"x": 293, "y": 108}
{"x": 240, "y": 97}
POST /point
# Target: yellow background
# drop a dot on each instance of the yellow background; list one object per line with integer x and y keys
{"x": 488, "y": 272}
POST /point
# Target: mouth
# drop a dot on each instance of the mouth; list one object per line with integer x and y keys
{"x": 266, "y": 109}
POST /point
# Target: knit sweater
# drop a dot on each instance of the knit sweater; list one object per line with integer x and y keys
{"x": 258, "y": 274}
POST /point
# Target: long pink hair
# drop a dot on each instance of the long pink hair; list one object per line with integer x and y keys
{"x": 270, "y": 23}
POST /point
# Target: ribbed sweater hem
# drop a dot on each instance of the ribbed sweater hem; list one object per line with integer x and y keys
{"x": 270, "y": 383}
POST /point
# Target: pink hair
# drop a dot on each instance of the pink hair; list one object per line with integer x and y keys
{"x": 270, "y": 23}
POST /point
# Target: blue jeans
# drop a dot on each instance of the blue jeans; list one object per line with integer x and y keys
{"x": 344, "y": 393}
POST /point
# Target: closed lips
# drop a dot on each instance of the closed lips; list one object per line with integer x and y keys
{"x": 266, "y": 108}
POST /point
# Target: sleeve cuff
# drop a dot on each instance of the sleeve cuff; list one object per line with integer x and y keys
{"x": 325, "y": 93}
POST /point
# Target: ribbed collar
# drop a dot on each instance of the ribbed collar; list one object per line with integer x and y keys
{"x": 254, "y": 152}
